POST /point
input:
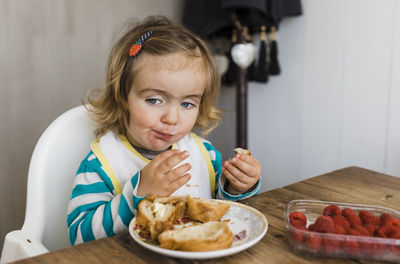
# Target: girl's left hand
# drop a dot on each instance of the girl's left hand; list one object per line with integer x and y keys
{"x": 242, "y": 172}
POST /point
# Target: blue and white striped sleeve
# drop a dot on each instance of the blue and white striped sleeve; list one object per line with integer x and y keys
{"x": 220, "y": 180}
{"x": 94, "y": 210}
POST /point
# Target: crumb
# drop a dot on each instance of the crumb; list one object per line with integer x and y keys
{"x": 227, "y": 220}
{"x": 387, "y": 196}
{"x": 196, "y": 185}
{"x": 188, "y": 184}
{"x": 246, "y": 218}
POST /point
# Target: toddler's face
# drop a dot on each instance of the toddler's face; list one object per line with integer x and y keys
{"x": 164, "y": 100}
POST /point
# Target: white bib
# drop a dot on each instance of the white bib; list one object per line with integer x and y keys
{"x": 121, "y": 162}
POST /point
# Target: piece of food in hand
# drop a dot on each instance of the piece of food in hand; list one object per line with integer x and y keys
{"x": 209, "y": 236}
{"x": 205, "y": 210}
{"x": 242, "y": 151}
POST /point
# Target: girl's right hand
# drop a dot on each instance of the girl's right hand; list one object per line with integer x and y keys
{"x": 160, "y": 177}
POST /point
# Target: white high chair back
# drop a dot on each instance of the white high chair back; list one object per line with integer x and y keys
{"x": 54, "y": 162}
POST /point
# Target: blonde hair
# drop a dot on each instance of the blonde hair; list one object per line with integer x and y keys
{"x": 109, "y": 106}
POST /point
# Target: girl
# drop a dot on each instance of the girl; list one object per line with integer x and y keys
{"x": 161, "y": 83}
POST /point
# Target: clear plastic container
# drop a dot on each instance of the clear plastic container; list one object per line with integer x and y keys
{"x": 335, "y": 245}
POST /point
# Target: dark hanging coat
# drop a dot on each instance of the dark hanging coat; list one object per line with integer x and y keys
{"x": 210, "y": 17}
{"x": 214, "y": 18}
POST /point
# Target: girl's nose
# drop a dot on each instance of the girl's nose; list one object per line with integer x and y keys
{"x": 170, "y": 116}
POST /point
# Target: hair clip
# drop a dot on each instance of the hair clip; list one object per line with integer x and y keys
{"x": 137, "y": 47}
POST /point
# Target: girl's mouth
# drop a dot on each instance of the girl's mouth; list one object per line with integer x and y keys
{"x": 163, "y": 136}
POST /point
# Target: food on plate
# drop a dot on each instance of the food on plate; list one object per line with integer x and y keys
{"x": 208, "y": 236}
{"x": 203, "y": 210}
{"x": 159, "y": 214}
{"x": 242, "y": 151}
{"x": 173, "y": 215}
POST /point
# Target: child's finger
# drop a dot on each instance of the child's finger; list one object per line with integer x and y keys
{"x": 177, "y": 172}
{"x": 244, "y": 166}
{"x": 163, "y": 156}
{"x": 171, "y": 161}
{"x": 234, "y": 181}
{"x": 235, "y": 172}
{"x": 175, "y": 185}
{"x": 248, "y": 159}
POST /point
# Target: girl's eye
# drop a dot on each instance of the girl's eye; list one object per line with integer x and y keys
{"x": 187, "y": 105}
{"x": 153, "y": 101}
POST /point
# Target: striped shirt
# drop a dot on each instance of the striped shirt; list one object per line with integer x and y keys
{"x": 96, "y": 211}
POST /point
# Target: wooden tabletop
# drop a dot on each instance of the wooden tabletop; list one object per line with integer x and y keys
{"x": 349, "y": 185}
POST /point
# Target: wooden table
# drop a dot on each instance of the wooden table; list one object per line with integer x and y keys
{"x": 352, "y": 185}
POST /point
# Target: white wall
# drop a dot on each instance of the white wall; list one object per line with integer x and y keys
{"x": 337, "y": 100}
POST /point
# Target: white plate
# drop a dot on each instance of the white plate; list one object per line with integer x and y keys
{"x": 242, "y": 217}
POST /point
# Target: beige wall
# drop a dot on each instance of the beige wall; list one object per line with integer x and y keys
{"x": 51, "y": 52}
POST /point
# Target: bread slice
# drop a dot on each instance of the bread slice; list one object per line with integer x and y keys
{"x": 209, "y": 236}
{"x": 170, "y": 200}
{"x": 159, "y": 214}
{"x": 242, "y": 151}
{"x": 205, "y": 210}
{"x": 145, "y": 215}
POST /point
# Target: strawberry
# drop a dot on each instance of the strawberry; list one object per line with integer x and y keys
{"x": 350, "y": 246}
{"x": 372, "y": 229}
{"x": 354, "y": 232}
{"x": 384, "y": 218}
{"x": 395, "y": 234}
{"x": 339, "y": 229}
{"x": 331, "y": 210}
{"x": 298, "y": 216}
{"x": 347, "y": 212}
{"x": 354, "y": 220}
{"x": 363, "y": 214}
{"x": 324, "y": 224}
{"x": 297, "y": 223}
{"x": 393, "y": 222}
{"x": 384, "y": 231}
{"x": 370, "y": 248}
{"x": 330, "y": 244}
{"x": 341, "y": 220}
{"x": 371, "y": 219}
{"x": 362, "y": 230}
{"x": 297, "y": 235}
{"x": 314, "y": 241}
{"x": 351, "y": 217}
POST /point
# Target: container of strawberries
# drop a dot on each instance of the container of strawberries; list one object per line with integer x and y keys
{"x": 343, "y": 230}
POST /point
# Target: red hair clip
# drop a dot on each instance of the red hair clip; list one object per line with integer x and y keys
{"x": 137, "y": 47}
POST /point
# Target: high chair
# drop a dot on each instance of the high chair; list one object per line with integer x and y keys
{"x": 52, "y": 168}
